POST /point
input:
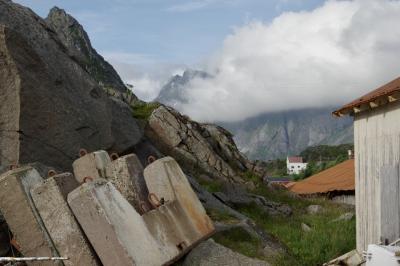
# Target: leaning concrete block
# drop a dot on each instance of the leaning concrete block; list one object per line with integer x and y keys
{"x": 166, "y": 180}
{"x": 91, "y": 165}
{"x": 50, "y": 200}
{"x": 20, "y": 214}
{"x": 116, "y": 231}
{"x": 126, "y": 174}
{"x": 170, "y": 225}
{"x": 65, "y": 183}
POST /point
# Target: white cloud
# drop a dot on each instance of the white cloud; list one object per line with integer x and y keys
{"x": 326, "y": 56}
{"x": 144, "y": 72}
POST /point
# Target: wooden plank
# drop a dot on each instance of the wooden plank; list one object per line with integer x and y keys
{"x": 389, "y": 202}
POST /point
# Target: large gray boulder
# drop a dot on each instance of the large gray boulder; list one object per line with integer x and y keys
{"x": 50, "y": 106}
{"x": 198, "y": 147}
{"x": 210, "y": 253}
{"x": 77, "y": 42}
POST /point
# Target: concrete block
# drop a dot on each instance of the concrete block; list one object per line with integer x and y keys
{"x": 126, "y": 174}
{"x": 119, "y": 235}
{"x": 91, "y": 165}
{"x": 66, "y": 183}
{"x": 166, "y": 180}
{"x": 50, "y": 200}
{"x": 17, "y": 207}
{"x": 170, "y": 225}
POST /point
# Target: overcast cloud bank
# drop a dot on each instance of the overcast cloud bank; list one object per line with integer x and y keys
{"x": 324, "y": 57}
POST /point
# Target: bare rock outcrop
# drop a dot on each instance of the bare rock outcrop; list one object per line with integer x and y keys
{"x": 50, "y": 106}
{"x": 198, "y": 147}
{"x": 211, "y": 253}
{"x": 78, "y": 45}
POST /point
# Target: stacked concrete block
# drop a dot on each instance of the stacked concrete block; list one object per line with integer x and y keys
{"x": 166, "y": 180}
{"x": 170, "y": 225}
{"x": 92, "y": 165}
{"x": 116, "y": 231}
{"x": 126, "y": 174}
{"x": 17, "y": 207}
{"x": 50, "y": 200}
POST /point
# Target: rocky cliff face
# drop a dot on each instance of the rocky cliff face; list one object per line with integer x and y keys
{"x": 203, "y": 148}
{"x": 175, "y": 91}
{"x": 60, "y": 104}
{"x": 277, "y": 135}
{"x": 78, "y": 45}
{"x": 51, "y": 106}
{"x": 274, "y": 135}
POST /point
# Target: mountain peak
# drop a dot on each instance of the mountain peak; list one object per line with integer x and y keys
{"x": 76, "y": 40}
{"x": 175, "y": 91}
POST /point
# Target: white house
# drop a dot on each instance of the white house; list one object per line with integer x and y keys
{"x": 377, "y": 164}
{"x": 295, "y": 165}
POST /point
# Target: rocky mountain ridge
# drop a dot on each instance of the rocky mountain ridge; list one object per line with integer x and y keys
{"x": 53, "y": 103}
{"x": 277, "y": 135}
{"x": 75, "y": 39}
{"x": 272, "y": 135}
{"x": 174, "y": 92}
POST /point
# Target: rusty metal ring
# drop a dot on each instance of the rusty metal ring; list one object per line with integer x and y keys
{"x": 15, "y": 244}
{"x": 12, "y": 166}
{"x": 151, "y": 159}
{"x": 86, "y": 178}
{"x": 154, "y": 201}
{"x": 143, "y": 207}
{"x": 114, "y": 156}
{"x": 82, "y": 152}
{"x": 51, "y": 173}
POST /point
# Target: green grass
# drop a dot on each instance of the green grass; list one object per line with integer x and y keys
{"x": 240, "y": 241}
{"x": 211, "y": 186}
{"x": 221, "y": 216}
{"x": 143, "y": 110}
{"x": 326, "y": 241}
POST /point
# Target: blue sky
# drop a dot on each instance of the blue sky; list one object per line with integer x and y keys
{"x": 166, "y": 31}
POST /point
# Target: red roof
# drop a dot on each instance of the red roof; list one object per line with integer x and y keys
{"x": 384, "y": 91}
{"x": 295, "y": 159}
{"x": 337, "y": 178}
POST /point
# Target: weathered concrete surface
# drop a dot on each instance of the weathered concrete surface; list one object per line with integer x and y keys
{"x": 16, "y": 206}
{"x": 91, "y": 165}
{"x": 126, "y": 174}
{"x": 170, "y": 225}
{"x": 65, "y": 183}
{"x": 50, "y": 200}
{"x": 165, "y": 179}
{"x": 210, "y": 253}
{"x": 116, "y": 231}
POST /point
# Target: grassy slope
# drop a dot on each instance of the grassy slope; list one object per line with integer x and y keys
{"x": 326, "y": 241}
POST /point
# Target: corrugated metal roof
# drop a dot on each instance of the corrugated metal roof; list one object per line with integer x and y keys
{"x": 385, "y": 90}
{"x": 338, "y": 178}
{"x": 295, "y": 159}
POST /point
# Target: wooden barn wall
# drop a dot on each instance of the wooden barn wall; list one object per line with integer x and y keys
{"x": 377, "y": 148}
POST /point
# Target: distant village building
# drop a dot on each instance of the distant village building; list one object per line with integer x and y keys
{"x": 295, "y": 165}
{"x": 335, "y": 183}
{"x": 377, "y": 155}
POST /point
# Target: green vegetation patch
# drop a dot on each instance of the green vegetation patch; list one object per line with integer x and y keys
{"x": 221, "y": 216}
{"x": 143, "y": 110}
{"x": 327, "y": 239}
{"x": 326, "y": 152}
{"x": 240, "y": 241}
{"x": 211, "y": 185}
